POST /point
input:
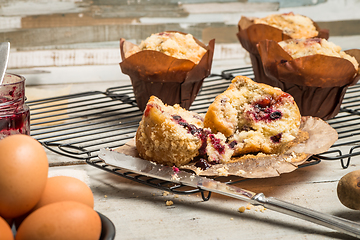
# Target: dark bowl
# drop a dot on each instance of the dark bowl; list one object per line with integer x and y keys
{"x": 108, "y": 230}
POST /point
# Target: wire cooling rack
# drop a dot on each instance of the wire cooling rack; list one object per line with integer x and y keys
{"x": 79, "y": 125}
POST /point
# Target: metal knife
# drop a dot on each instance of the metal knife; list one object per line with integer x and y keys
{"x": 4, "y": 58}
{"x": 159, "y": 171}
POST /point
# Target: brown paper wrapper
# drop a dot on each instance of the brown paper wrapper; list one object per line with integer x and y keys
{"x": 318, "y": 83}
{"x": 251, "y": 34}
{"x": 173, "y": 80}
{"x": 320, "y": 137}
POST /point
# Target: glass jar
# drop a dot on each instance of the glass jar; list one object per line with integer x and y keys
{"x": 14, "y": 113}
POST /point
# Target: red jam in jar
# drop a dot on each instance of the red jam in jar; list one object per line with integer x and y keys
{"x": 14, "y": 113}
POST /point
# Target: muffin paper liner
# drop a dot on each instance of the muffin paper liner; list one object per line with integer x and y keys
{"x": 318, "y": 83}
{"x": 173, "y": 80}
{"x": 251, "y": 34}
{"x": 320, "y": 136}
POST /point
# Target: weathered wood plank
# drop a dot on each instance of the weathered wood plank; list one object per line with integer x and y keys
{"x": 41, "y": 37}
{"x": 291, "y": 3}
{"x": 87, "y": 33}
{"x": 229, "y": 7}
{"x": 38, "y": 7}
{"x": 71, "y": 20}
{"x": 67, "y": 57}
{"x": 172, "y": 10}
{"x": 51, "y": 37}
{"x": 221, "y": 34}
{"x": 342, "y": 28}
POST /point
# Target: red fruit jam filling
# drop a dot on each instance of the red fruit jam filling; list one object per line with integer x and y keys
{"x": 276, "y": 138}
{"x": 175, "y": 169}
{"x": 149, "y": 107}
{"x": 217, "y": 144}
{"x": 232, "y": 144}
{"x": 14, "y": 113}
{"x": 203, "y": 164}
{"x": 193, "y": 130}
{"x": 263, "y": 110}
{"x": 203, "y": 134}
{"x": 14, "y": 118}
{"x": 18, "y": 122}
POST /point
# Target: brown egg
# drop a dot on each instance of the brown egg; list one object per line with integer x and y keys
{"x": 60, "y": 221}
{"x": 23, "y": 174}
{"x": 63, "y": 188}
{"x": 348, "y": 190}
{"x": 5, "y": 230}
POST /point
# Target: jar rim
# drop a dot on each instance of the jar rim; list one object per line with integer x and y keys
{"x": 19, "y": 79}
{"x": 6, "y": 104}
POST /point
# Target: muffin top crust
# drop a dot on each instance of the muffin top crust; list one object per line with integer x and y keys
{"x": 174, "y": 44}
{"x": 294, "y": 25}
{"x": 297, "y": 48}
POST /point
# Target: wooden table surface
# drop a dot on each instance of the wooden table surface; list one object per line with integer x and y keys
{"x": 140, "y": 212}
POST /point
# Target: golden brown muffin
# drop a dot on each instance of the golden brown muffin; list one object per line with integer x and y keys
{"x": 172, "y": 135}
{"x": 254, "y": 117}
{"x": 169, "y": 65}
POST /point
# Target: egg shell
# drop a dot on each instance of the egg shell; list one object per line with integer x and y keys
{"x": 64, "y": 188}
{"x": 5, "y": 230}
{"x": 61, "y": 221}
{"x": 23, "y": 174}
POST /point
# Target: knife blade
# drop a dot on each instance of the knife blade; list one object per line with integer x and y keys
{"x": 4, "y": 58}
{"x": 166, "y": 173}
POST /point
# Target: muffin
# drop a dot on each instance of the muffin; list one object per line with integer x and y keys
{"x": 251, "y": 130}
{"x": 254, "y": 117}
{"x": 172, "y": 135}
{"x": 276, "y": 27}
{"x": 169, "y": 65}
{"x": 247, "y": 118}
{"x": 314, "y": 71}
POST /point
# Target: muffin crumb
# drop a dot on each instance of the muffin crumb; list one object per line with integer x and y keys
{"x": 169, "y": 203}
{"x": 241, "y": 209}
{"x": 249, "y": 206}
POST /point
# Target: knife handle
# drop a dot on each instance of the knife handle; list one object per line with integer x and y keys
{"x": 336, "y": 223}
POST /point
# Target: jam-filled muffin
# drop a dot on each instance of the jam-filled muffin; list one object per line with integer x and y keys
{"x": 174, "y": 44}
{"x": 297, "y": 48}
{"x": 172, "y": 135}
{"x": 294, "y": 25}
{"x": 254, "y": 117}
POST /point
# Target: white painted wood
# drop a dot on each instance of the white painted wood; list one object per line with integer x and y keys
{"x": 331, "y": 10}
{"x": 72, "y": 74}
{"x": 139, "y": 212}
{"x": 240, "y": 7}
{"x": 7, "y": 23}
{"x": 64, "y": 57}
{"x": 38, "y": 7}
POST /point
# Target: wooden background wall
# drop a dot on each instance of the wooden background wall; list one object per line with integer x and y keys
{"x": 67, "y": 36}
